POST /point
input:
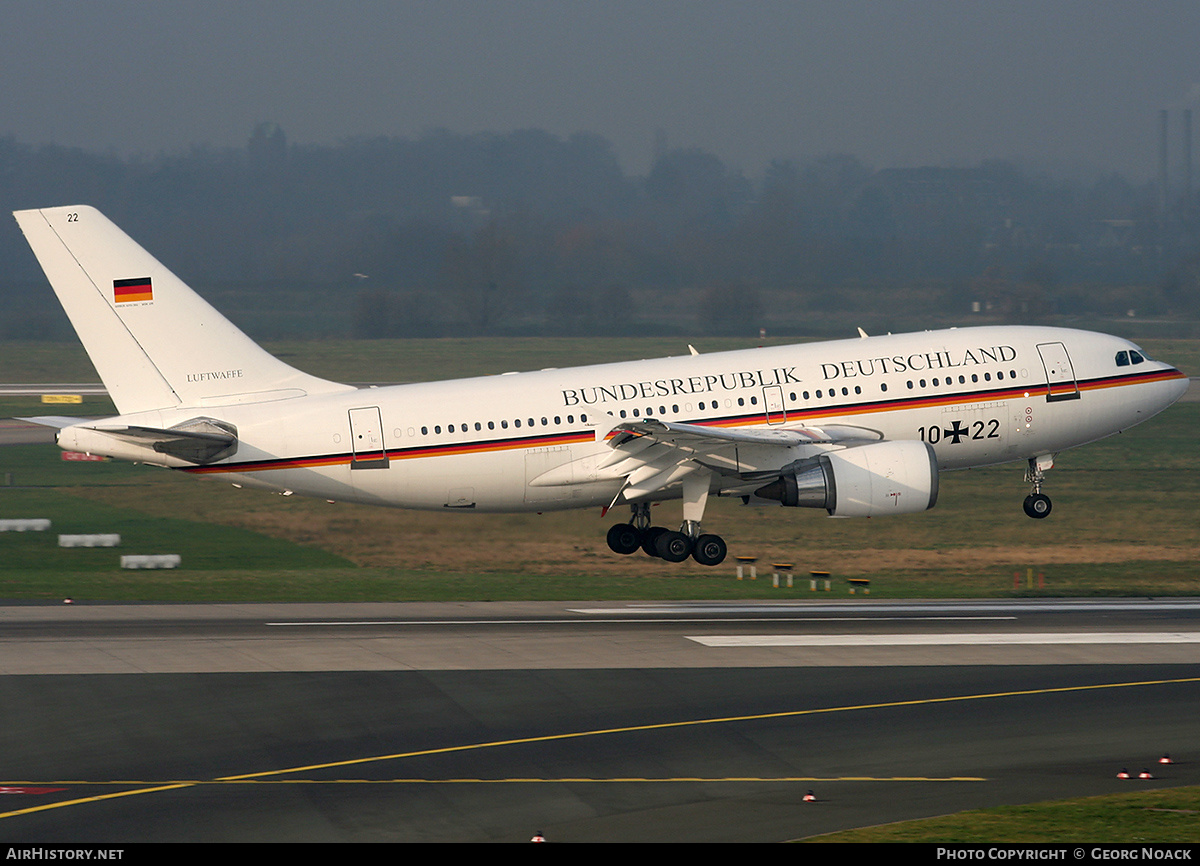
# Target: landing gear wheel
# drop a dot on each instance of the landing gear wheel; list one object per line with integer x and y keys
{"x": 624, "y": 538}
{"x": 710, "y": 550}
{"x": 673, "y": 546}
{"x": 650, "y": 539}
{"x": 1037, "y": 505}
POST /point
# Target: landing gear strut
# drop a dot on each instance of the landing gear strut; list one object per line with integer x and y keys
{"x": 1037, "y": 504}
{"x": 657, "y": 541}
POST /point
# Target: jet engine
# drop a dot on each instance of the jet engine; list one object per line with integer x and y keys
{"x": 861, "y": 481}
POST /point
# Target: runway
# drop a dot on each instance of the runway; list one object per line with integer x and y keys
{"x": 586, "y": 722}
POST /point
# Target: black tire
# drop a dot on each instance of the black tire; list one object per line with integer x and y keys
{"x": 710, "y": 550}
{"x": 673, "y": 546}
{"x": 1037, "y": 505}
{"x": 624, "y": 538}
{"x": 650, "y": 539}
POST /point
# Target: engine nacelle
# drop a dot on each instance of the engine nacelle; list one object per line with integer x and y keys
{"x": 861, "y": 481}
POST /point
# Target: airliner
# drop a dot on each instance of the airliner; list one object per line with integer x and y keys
{"x": 860, "y": 427}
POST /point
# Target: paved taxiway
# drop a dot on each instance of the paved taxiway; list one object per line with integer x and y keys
{"x": 621, "y": 722}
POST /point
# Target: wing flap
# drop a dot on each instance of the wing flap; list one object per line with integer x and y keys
{"x": 702, "y": 436}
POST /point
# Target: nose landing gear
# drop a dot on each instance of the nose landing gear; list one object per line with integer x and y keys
{"x": 1037, "y": 504}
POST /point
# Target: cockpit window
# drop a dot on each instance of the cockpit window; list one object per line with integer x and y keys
{"x": 1136, "y": 357}
{"x": 1122, "y": 359}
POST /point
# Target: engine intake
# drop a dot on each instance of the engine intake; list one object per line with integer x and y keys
{"x": 861, "y": 481}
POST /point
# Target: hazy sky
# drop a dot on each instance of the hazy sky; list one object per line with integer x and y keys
{"x": 894, "y": 83}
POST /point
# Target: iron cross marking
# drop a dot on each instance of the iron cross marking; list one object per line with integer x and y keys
{"x": 957, "y": 432}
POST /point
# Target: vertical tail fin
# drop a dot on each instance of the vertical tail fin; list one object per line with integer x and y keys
{"x": 155, "y": 343}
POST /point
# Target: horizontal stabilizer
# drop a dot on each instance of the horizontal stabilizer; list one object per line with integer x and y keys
{"x": 199, "y": 441}
{"x": 57, "y": 421}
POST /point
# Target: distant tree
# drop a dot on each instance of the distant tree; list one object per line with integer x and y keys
{"x": 481, "y": 278}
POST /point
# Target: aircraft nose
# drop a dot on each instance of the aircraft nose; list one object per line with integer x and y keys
{"x": 1171, "y": 388}
{"x": 1179, "y": 387}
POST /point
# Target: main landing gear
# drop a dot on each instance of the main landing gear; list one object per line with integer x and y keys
{"x": 1037, "y": 504}
{"x": 663, "y": 543}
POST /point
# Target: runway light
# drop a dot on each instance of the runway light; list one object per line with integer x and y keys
{"x": 1124, "y": 774}
{"x": 810, "y": 797}
{"x": 67, "y": 601}
{"x": 1145, "y": 774}
{"x": 1165, "y": 759}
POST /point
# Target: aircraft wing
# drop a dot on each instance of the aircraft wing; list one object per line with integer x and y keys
{"x": 703, "y": 438}
{"x": 652, "y": 455}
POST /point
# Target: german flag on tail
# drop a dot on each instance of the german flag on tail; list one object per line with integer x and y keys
{"x": 138, "y": 289}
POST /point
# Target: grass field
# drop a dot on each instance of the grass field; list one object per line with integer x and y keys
{"x": 1124, "y": 521}
{"x": 414, "y": 360}
{"x": 1163, "y": 816}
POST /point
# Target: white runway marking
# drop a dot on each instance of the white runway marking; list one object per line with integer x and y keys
{"x": 880, "y": 640}
{"x": 628, "y": 621}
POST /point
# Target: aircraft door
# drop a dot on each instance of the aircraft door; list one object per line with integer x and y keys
{"x": 366, "y": 439}
{"x": 1060, "y": 375}
{"x": 773, "y": 401}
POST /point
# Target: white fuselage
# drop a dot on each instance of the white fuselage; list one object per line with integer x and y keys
{"x": 536, "y": 441}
